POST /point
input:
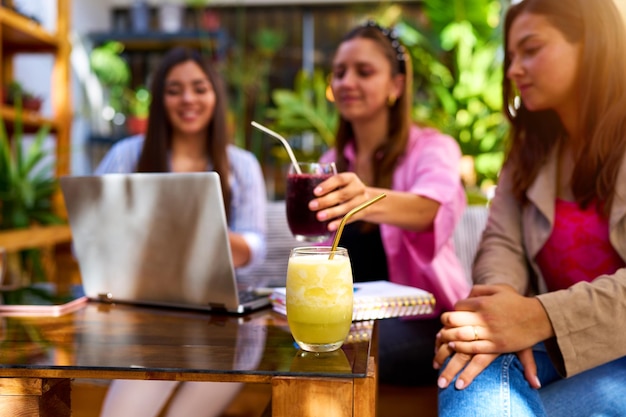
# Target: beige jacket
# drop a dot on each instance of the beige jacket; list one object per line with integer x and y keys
{"x": 589, "y": 319}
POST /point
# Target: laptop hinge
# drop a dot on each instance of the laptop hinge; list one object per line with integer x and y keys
{"x": 106, "y": 297}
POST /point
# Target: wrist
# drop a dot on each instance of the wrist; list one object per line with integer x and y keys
{"x": 373, "y": 210}
{"x": 543, "y": 326}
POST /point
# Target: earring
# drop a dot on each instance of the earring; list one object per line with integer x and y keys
{"x": 391, "y": 100}
{"x": 329, "y": 91}
{"x": 329, "y": 94}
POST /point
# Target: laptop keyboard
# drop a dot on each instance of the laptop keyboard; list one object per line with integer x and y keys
{"x": 247, "y": 296}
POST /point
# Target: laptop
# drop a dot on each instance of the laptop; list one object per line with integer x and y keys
{"x": 157, "y": 239}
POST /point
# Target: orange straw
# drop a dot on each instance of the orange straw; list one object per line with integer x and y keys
{"x": 347, "y": 216}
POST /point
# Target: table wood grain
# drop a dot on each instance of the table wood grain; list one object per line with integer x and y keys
{"x": 40, "y": 355}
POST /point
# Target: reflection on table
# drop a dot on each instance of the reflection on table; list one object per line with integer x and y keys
{"x": 128, "y": 342}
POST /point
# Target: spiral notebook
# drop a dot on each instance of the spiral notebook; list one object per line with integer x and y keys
{"x": 376, "y": 300}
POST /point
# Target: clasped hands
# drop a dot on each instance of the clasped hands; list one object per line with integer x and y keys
{"x": 494, "y": 319}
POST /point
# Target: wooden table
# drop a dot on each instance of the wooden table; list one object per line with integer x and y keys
{"x": 40, "y": 355}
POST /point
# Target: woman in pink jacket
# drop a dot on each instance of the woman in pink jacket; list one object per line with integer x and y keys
{"x": 407, "y": 236}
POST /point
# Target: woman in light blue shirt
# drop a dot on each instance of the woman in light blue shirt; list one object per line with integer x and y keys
{"x": 187, "y": 132}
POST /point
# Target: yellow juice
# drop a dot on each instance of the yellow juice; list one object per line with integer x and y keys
{"x": 319, "y": 300}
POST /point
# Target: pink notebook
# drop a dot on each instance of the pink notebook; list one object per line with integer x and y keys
{"x": 40, "y": 300}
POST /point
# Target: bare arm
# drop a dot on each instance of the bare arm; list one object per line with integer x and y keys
{"x": 239, "y": 249}
{"x": 341, "y": 193}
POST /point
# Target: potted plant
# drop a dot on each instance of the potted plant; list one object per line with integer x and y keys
{"x": 30, "y": 101}
{"x": 138, "y": 110}
{"x": 113, "y": 74}
{"x": 26, "y": 189}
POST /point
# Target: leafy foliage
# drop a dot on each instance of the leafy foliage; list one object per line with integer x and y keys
{"x": 113, "y": 72}
{"x": 457, "y": 80}
{"x": 108, "y": 65}
{"x": 138, "y": 101}
{"x": 305, "y": 108}
{"x": 15, "y": 89}
{"x": 458, "y": 73}
{"x": 26, "y": 186}
{"x": 246, "y": 71}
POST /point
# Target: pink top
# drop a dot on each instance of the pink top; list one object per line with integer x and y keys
{"x": 427, "y": 260}
{"x": 578, "y": 248}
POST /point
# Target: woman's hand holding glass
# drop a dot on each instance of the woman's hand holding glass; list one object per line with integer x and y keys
{"x": 337, "y": 196}
{"x": 341, "y": 193}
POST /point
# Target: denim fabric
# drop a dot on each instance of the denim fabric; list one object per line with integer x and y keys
{"x": 501, "y": 390}
{"x": 598, "y": 392}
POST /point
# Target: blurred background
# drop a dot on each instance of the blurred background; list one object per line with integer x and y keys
{"x": 275, "y": 58}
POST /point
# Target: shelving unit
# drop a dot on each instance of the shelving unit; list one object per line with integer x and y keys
{"x": 21, "y": 35}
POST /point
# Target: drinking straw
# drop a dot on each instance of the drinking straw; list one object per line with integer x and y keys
{"x": 270, "y": 132}
{"x": 347, "y": 216}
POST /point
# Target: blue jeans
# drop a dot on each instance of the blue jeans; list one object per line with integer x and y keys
{"x": 501, "y": 390}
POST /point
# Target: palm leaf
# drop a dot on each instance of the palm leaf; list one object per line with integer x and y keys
{"x": 35, "y": 152}
{"x": 26, "y": 185}
{"x": 5, "y": 159}
{"x": 305, "y": 108}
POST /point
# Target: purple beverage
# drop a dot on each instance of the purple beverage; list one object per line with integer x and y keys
{"x": 302, "y": 221}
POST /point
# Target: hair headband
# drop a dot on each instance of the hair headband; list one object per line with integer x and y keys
{"x": 395, "y": 43}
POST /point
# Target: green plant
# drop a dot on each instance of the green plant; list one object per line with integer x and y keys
{"x": 197, "y": 3}
{"x": 108, "y": 65}
{"x": 305, "y": 108}
{"x": 138, "y": 102}
{"x": 26, "y": 185}
{"x": 457, "y": 75}
{"x": 112, "y": 71}
{"x": 246, "y": 72}
{"x": 457, "y": 71}
{"x": 15, "y": 89}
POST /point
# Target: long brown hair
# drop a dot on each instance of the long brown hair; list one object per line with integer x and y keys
{"x": 597, "y": 26}
{"x": 158, "y": 140}
{"x": 399, "y": 113}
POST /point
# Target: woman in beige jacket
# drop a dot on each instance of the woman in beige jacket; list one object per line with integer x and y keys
{"x": 544, "y": 329}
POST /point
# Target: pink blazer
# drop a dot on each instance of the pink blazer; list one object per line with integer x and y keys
{"x": 427, "y": 260}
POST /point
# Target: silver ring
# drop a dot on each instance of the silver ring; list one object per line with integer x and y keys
{"x": 475, "y": 333}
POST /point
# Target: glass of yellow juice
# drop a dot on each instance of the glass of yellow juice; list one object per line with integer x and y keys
{"x": 319, "y": 297}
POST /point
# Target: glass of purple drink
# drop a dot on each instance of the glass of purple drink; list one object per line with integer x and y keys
{"x": 302, "y": 221}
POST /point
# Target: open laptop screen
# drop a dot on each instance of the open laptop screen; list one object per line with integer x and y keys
{"x": 152, "y": 238}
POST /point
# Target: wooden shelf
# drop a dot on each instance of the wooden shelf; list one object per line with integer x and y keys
{"x": 24, "y": 35}
{"x": 37, "y": 236}
{"x": 31, "y": 121}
